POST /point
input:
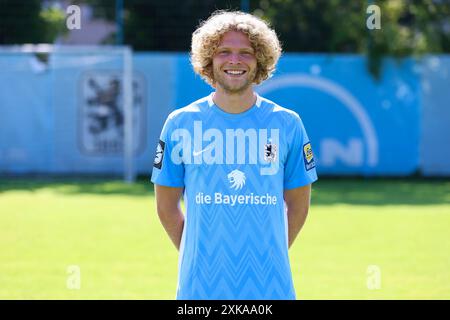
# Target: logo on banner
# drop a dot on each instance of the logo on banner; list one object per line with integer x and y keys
{"x": 101, "y": 113}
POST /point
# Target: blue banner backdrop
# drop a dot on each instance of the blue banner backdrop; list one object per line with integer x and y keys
{"x": 65, "y": 116}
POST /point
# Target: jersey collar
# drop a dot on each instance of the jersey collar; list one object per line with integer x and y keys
{"x": 211, "y": 102}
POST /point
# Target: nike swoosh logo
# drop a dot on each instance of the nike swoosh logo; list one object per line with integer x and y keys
{"x": 196, "y": 153}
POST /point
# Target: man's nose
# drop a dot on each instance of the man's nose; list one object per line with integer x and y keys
{"x": 235, "y": 58}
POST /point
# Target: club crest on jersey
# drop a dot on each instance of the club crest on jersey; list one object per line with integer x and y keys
{"x": 308, "y": 156}
{"x": 270, "y": 152}
{"x": 159, "y": 155}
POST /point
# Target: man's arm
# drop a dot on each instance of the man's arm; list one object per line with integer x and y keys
{"x": 169, "y": 211}
{"x": 297, "y": 202}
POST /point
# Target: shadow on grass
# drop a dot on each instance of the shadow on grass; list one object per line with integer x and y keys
{"x": 327, "y": 191}
{"x": 101, "y": 186}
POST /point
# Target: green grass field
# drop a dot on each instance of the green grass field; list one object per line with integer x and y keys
{"x": 111, "y": 231}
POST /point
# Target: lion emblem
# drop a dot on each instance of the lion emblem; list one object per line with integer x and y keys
{"x": 236, "y": 179}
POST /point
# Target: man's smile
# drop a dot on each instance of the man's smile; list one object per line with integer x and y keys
{"x": 232, "y": 72}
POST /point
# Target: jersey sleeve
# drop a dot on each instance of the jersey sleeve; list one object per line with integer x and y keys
{"x": 300, "y": 167}
{"x": 166, "y": 171}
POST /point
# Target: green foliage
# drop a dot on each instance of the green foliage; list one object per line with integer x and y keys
{"x": 53, "y": 23}
{"x": 407, "y": 27}
{"x": 20, "y": 22}
{"x": 27, "y": 22}
{"x": 161, "y": 25}
{"x": 316, "y": 25}
{"x": 332, "y": 26}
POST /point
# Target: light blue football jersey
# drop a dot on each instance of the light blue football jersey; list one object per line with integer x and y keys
{"x": 234, "y": 168}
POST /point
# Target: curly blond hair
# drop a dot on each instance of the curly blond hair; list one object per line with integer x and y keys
{"x": 208, "y": 35}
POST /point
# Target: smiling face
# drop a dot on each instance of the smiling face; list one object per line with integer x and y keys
{"x": 234, "y": 63}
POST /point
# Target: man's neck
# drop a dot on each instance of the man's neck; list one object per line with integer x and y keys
{"x": 236, "y": 102}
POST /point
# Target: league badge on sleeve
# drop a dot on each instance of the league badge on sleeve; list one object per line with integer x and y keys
{"x": 159, "y": 154}
{"x": 308, "y": 156}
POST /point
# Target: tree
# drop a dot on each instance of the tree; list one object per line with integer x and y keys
{"x": 25, "y": 21}
{"x": 161, "y": 25}
{"x": 316, "y": 25}
{"x": 408, "y": 27}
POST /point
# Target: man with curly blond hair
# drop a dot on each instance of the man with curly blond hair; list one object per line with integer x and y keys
{"x": 243, "y": 164}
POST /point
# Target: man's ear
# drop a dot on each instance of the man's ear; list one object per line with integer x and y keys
{"x": 213, "y": 83}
